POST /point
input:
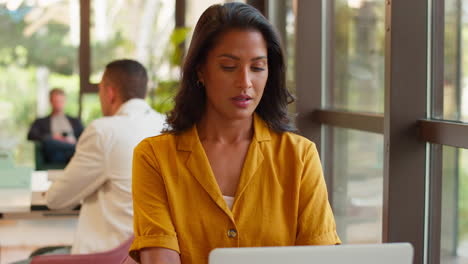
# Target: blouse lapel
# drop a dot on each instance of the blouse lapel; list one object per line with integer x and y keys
{"x": 199, "y": 166}
{"x": 254, "y": 158}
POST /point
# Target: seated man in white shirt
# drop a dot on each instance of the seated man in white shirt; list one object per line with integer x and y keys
{"x": 99, "y": 174}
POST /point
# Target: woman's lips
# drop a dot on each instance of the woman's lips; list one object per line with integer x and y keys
{"x": 242, "y": 101}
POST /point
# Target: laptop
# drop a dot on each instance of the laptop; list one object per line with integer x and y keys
{"x": 390, "y": 253}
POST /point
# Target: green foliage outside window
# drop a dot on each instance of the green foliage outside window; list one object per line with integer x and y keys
{"x": 161, "y": 98}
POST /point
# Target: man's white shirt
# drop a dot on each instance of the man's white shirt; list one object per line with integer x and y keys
{"x": 100, "y": 177}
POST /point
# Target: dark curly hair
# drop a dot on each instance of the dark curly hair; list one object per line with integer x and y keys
{"x": 190, "y": 100}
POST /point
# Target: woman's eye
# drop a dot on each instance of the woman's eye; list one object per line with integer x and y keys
{"x": 258, "y": 69}
{"x": 228, "y": 68}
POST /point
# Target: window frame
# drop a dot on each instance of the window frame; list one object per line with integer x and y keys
{"x": 86, "y": 87}
{"x": 406, "y": 129}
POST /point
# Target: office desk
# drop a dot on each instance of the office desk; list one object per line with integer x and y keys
{"x": 26, "y": 204}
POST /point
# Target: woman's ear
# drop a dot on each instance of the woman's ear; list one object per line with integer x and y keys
{"x": 200, "y": 74}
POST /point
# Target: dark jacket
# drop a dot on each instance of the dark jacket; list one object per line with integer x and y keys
{"x": 40, "y": 129}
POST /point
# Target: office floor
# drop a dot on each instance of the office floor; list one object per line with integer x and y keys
{"x": 18, "y": 238}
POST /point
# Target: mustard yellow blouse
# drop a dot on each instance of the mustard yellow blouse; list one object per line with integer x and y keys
{"x": 281, "y": 199}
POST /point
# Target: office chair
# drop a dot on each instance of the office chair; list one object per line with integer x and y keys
{"x": 117, "y": 255}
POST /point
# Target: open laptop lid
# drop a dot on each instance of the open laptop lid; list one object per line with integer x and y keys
{"x": 392, "y": 253}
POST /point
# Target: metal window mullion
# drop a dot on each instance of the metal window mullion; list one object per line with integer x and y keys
{"x": 84, "y": 54}
{"x": 449, "y": 133}
{"x": 405, "y": 103}
{"x": 180, "y": 12}
{"x": 458, "y": 96}
{"x": 308, "y": 67}
{"x": 437, "y": 110}
{"x": 309, "y": 76}
{"x": 458, "y": 59}
{"x": 368, "y": 122}
{"x": 328, "y": 53}
{"x": 180, "y": 9}
{"x": 435, "y": 204}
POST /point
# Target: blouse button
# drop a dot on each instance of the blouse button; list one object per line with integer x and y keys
{"x": 232, "y": 233}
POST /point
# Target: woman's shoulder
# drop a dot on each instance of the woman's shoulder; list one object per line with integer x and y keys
{"x": 156, "y": 142}
{"x": 290, "y": 144}
{"x": 283, "y": 138}
{"x": 293, "y": 139}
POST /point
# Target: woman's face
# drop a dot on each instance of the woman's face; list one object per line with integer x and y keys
{"x": 235, "y": 74}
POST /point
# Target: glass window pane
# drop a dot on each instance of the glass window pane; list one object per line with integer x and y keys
{"x": 454, "y": 224}
{"x": 357, "y": 185}
{"x": 282, "y": 15}
{"x": 358, "y": 56}
{"x": 38, "y": 51}
{"x": 141, "y": 30}
{"x": 455, "y": 104}
{"x": 91, "y": 108}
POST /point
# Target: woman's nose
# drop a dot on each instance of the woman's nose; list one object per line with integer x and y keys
{"x": 244, "y": 80}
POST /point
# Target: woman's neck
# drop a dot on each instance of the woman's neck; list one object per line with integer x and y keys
{"x": 214, "y": 128}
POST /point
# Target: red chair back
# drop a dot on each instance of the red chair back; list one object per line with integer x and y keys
{"x": 114, "y": 256}
{"x": 129, "y": 260}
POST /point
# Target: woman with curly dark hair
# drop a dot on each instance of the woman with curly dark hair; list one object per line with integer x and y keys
{"x": 229, "y": 171}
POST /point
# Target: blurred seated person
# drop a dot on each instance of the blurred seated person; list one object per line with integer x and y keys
{"x": 99, "y": 175}
{"x": 57, "y": 132}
